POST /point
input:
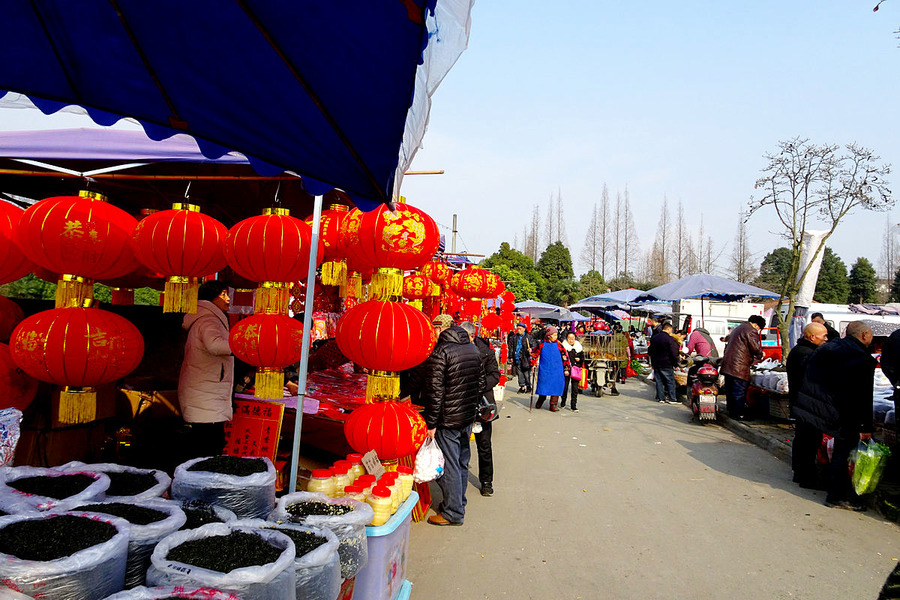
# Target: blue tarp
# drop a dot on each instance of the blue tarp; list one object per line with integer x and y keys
{"x": 619, "y": 299}
{"x": 335, "y": 91}
{"x": 708, "y": 286}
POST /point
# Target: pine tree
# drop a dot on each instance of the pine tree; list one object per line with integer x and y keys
{"x": 863, "y": 283}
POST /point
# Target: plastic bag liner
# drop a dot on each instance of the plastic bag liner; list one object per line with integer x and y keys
{"x": 143, "y": 538}
{"x": 871, "y": 458}
{"x": 90, "y": 574}
{"x": 273, "y": 581}
{"x": 318, "y": 573}
{"x": 10, "y": 420}
{"x": 12, "y": 501}
{"x": 250, "y": 497}
{"x": 163, "y": 481}
{"x": 144, "y": 593}
{"x": 223, "y": 513}
{"x": 350, "y": 528}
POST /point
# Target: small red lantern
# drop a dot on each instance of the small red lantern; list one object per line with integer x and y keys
{"x": 83, "y": 238}
{"x": 416, "y": 287}
{"x": 184, "y": 245}
{"x": 77, "y": 348}
{"x": 13, "y": 264}
{"x": 391, "y": 429}
{"x": 385, "y": 337}
{"x": 334, "y": 269}
{"x": 17, "y": 389}
{"x": 490, "y": 321}
{"x": 11, "y": 314}
{"x": 471, "y": 283}
{"x": 270, "y": 343}
{"x": 439, "y": 273}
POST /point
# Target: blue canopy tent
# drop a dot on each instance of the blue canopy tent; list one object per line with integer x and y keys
{"x": 338, "y": 92}
{"x": 619, "y": 298}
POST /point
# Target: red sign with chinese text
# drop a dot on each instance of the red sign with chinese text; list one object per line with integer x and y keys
{"x": 255, "y": 428}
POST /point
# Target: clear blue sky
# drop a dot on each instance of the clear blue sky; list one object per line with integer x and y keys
{"x": 669, "y": 98}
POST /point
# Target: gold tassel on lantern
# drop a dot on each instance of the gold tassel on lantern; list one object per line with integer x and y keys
{"x": 382, "y": 385}
{"x": 335, "y": 272}
{"x": 269, "y": 383}
{"x": 72, "y": 290}
{"x": 77, "y": 405}
{"x": 416, "y": 304}
{"x": 181, "y": 294}
{"x": 387, "y": 284}
{"x": 352, "y": 287}
{"x": 272, "y": 298}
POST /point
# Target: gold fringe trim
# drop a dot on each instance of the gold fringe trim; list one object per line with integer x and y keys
{"x": 72, "y": 290}
{"x": 77, "y": 405}
{"x": 272, "y": 298}
{"x": 181, "y": 294}
{"x": 387, "y": 284}
{"x": 269, "y": 384}
{"x": 352, "y": 286}
{"x": 435, "y": 290}
{"x": 416, "y": 304}
{"x": 391, "y": 464}
{"x": 334, "y": 272}
{"x": 382, "y": 385}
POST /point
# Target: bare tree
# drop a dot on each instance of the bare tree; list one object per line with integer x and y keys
{"x": 560, "y": 220}
{"x": 742, "y": 267}
{"x": 659, "y": 270}
{"x": 550, "y": 224}
{"x": 890, "y": 251}
{"x": 683, "y": 244}
{"x": 532, "y": 244}
{"x": 805, "y": 183}
{"x": 617, "y": 235}
{"x": 632, "y": 247}
{"x": 605, "y": 225}
{"x": 590, "y": 253}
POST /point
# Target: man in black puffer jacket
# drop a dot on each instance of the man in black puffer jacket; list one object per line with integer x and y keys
{"x": 454, "y": 380}
{"x": 483, "y": 438}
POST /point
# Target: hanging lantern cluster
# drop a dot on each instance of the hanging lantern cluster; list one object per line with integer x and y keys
{"x": 82, "y": 239}
{"x": 78, "y": 348}
{"x": 183, "y": 245}
{"x": 334, "y": 267}
{"x": 273, "y": 250}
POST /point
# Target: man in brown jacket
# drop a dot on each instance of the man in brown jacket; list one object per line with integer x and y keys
{"x": 743, "y": 350}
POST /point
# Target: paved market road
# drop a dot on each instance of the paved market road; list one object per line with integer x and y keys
{"x": 628, "y": 499}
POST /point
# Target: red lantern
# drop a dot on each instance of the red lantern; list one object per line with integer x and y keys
{"x": 391, "y": 242}
{"x": 17, "y": 389}
{"x": 471, "y": 283}
{"x": 184, "y": 245}
{"x": 334, "y": 270}
{"x": 391, "y": 429}
{"x": 13, "y": 264}
{"x": 77, "y": 348}
{"x": 271, "y": 249}
{"x": 270, "y": 343}
{"x": 416, "y": 287}
{"x": 491, "y": 321}
{"x": 385, "y": 337}
{"x": 83, "y": 238}
{"x": 11, "y": 314}
{"x": 437, "y": 272}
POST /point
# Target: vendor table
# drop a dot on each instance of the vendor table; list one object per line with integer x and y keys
{"x": 384, "y": 576}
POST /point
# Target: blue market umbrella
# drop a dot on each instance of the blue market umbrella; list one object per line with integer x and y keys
{"x": 713, "y": 287}
{"x": 626, "y": 298}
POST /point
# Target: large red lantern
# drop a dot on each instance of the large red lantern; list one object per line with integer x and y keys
{"x": 17, "y": 388}
{"x": 273, "y": 250}
{"x": 391, "y": 242}
{"x": 184, "y": 245}
{"x": 77, "y": 348}
{"x": 391, "y": 429}
{"x": 416, "y": 287}
{"x": 471, "y": 283}
{"x": 385, "y": 337}
{"x": 13, "y": 264}
{"x": 334, "y": 269}
{"x": 270, "y": 343}
{"x": 82, "y": 238}
{"x": 11, "y": 314}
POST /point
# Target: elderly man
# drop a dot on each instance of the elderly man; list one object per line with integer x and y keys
{"x": 518, "y": 347}
{"x": 817, "y": 317}
{"x": 836, "y": 398}
{"x": 743, "y": 350}
{"x": 807, "y": 438}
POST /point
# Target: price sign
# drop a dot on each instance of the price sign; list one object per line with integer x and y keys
{"x": 254, "y": 429}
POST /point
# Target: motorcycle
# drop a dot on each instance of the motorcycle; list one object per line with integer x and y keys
{"x": 704, "y": 390}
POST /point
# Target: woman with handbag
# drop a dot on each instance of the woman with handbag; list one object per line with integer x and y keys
{"x": 552, "y": 368}
{"x": 576, "y": 359}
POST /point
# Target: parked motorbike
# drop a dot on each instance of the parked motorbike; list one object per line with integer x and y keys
{"x": 704, "y": 389}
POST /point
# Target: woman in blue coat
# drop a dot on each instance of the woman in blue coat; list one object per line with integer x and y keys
{"x": 552, "y": 368}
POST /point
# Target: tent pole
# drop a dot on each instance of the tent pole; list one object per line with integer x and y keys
{"x": 702, "y": 314}
{"x": 307, "y": 328}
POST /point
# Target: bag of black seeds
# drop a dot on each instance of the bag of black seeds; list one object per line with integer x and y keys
{"x": 127, "y": 483}
{"x": 23, "y": 489}
{"x": 166, "y": 593}
{"x": 151, "y": 521}
{"x": 345, "y": 517}
{"x": 63, "y": 556}
{"x": 258, "y": 566}
{"x": 318, "y": 566}
{"x": 245, "y": 486}
{"x": 200, "y": 513}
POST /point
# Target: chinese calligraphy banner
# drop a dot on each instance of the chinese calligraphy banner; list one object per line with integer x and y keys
{"x": 255, "y": 428}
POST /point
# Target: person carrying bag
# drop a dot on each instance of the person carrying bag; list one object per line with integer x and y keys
{"x": 577, "y": 371}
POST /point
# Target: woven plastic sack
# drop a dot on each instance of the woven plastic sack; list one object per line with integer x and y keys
{"x": 163, "y": 481}
{"x": 143, "y": 538}
{"x": 250, "y": 497}
{"x": 273, "y": 581}
{"x": 10, "y": 419}
{"x": 192, "y": 593}
{"x": 350, "y": 528}
{"x": 318, "y": 573}
{"x": 12, "y": 501}
{"x": 429, "y": 462}
{"x": 90, "y": 574}
{"x": 223, "y": 513}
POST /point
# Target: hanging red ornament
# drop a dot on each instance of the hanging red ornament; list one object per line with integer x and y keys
{"x": 11, "y": 314}
{"x": 416, "y": 287}
{"x": 391, "y": 429}
{"x": 471, "y": 283}
{"x": 13, "y": 264}
{"x": 77, "y": 348}
{"x": 490, "y": 321}
{"x": 184, "y": 245}
{"x": 334, "y": 269}
{"x": 17, "y": 388}
{"x": 439, "y": 273}
{"x": 270, "y": 343}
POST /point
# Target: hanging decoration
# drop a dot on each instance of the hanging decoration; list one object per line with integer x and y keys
{"x": 416, "y": 287}
{"x": 392, "y": 429}
{"x": 490, "y": 321}
{"x": 13, "y": 264}
{"x": 184, "y": 245}
{"x": 439, "y": 273}
{"x": 11, "y": 314}
{"x": 82, "y": 238}
{"x": 17, "y": 388}
{"x": 77, "y": 348}
{"x": 334, "y": 267}
{"x": 269, "y": 342}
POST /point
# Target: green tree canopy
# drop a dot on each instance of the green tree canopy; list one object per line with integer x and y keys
{"x": 774, "y": 269}
{"x": 555, "y": 264}
{"x": 592, "y": 284}
{"x": 863, "y": 282}
{"x": 518, "y": 271}
{"x": 564, "y": 292}
{"x": 516, "y": 282}
{"x": 833, "y": 286}
{"x": 895, "y": 288}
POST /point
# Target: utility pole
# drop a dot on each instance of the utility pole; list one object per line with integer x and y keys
{"x": 453, "y": 243}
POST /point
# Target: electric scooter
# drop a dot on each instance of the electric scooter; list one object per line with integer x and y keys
{"x": 704, "y": 390}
